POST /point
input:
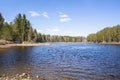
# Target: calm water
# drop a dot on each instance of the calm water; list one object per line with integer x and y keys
{"x": 73, "y": 61}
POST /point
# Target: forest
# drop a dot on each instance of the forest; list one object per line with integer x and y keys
{"x": 21, "y": 31}
{"x": 106, "y": 35}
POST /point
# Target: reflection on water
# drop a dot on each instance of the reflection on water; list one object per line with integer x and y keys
{"x": 64, "y": 61}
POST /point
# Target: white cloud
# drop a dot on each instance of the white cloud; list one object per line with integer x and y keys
{"x": 45, "y": 14}
{"x": 33, "y": 13}
{"x": 64, "y": 18}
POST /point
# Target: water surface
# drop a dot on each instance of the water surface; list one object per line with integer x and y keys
{"x": 74, "y": 61}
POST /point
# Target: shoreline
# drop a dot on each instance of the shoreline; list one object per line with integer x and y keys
{"x": 48, "y": 43}
{"x": 22, "y": 76}
{"x": 110, "y": 43}
{"x": 23, "y": 44}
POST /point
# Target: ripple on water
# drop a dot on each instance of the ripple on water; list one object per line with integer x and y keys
{"x": 64, "y": 61}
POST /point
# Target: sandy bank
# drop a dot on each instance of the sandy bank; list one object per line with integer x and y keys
{"x": 113, "y": 43}
{"x": 30, "y": 44}
{"x": 116, "y": 43}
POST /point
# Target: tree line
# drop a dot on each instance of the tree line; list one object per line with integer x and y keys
{"x": 108, "y": 34}
{"x": 20, "y": 30}
{"x": 55, "y": 38}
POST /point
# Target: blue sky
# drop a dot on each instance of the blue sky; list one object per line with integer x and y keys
{"x": 64, "y": 17}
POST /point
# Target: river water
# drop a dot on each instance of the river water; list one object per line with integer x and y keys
{"x": 61, "y": 61}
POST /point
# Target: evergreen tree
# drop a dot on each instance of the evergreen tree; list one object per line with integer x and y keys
{"x": 18, "y": 28}
{"x": 109, "y": 34}
{"x": 7, "y": 32}
{"x": 1, "y": 24}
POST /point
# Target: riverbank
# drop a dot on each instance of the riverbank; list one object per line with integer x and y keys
{"x": 116, "y": 43}
{"x": 41, "y": 44}
{"x": 23, "y": 44}
{"x": 112, "y": 43}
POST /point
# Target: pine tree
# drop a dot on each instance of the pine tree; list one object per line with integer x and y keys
{"x": 7, "y": 32}
{"x": 1, "y": 24}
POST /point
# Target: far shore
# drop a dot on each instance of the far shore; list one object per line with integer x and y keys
{"x": 48, "y": 43}
{"x": 111, "y": 43}
{"x": 23, "y": 44}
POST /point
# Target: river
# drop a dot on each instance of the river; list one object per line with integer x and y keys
{"x": 63, "y": 61}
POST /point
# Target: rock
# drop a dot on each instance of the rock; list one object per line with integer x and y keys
{"x": 40, "y": 78}
{"x": 37, "y": 76}
{"x": 24, "y": 75}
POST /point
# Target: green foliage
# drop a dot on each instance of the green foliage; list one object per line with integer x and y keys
{"x": 48, "y": 38}
{"x": 7, "y": 32}
{"x": 1, "y": 24}
{"x": 92, "y": 38}
{"x": 109, "y": 34}
{"x": 21, "y": 31}
{"x": 1, "y": 20}
{"x": 18, "y": 28}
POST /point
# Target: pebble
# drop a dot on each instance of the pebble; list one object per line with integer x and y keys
{"x": 23, "y": 76}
